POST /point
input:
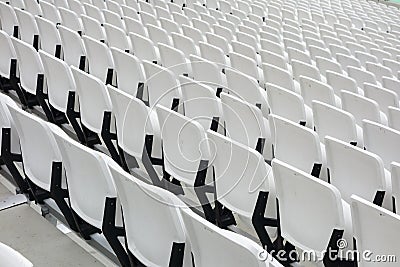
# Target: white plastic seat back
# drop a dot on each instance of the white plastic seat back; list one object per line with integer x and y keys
{"x": 185, "y": 44}
{"x": 72, "y": 44}
{"x": 163, "y": 12}
{"x": 395, "y": 179}
{"x": 341, "y": 82}
{"x": 179, "y": 15}
{"x": 50, "y": 11}
{"x": 361, "y": 107}
{"x": 163, "y": 88}
{"x": 394, "y": 118}
{"x": 193, "y": 33}
{"x": 39, "y": 155}
{"x": 114, "y": 19}
{"x": 332, "y": 121}
{"x": 158, "y": 35}
{"x": 17, "y": 4}
{"x": 207, "y": 72}
{"x": 213, "y": 53}
{"x": 98, "y": 66}
{"x": 205, "y": 238}
{"x": 295, "y": 144}
{"x": 303, "y": 69}
{"x": 201, "y": 25}
{"x": 392, "y": 84}
{"x": 201, "y": 103}
{"x": 379, "y": 71}
{"x": 29, "y": 65}
{"x": 144, "y": 207}
{"x": 70, "y": 19}
{"x": 361, "y": 76}
{"x": 247, "y": 89}
{"x": 274, "y": 59}
{"x": 174, "y": 60}
{"x": 272, "y": 47}
{"x": 246, "y": 65}
{"x": 115, "y": 7}
{"x": 7, "y": 53}
{"x": 130, "y": 73}
{"x": 134, "y": 25}
{"x": 373, "y": 231}
{"x": 217, "y": 41}
{"x": 295, "y": 54}
{"x": 319, "y": 52}
{"x": 355, "y": 171}
{"x": 240, "y": 175}
{"x": 324, "y": 65}
{"x": 8, "y": 18}
{"x": 132, "y": 4}
{"x": 382, "y": 96}
{"x": 306, "y": 199}
{"x": 286, "y": 104}
{"x": 99, "y": 4}
{"x": 6, "y": 121}
{"x": 93, "y": 28}
{"x": 381, "y": 140}
{"x": 392, "y": 64}
{"x": 133, "y": 121}
{"x": 365, "y": 57}
{"x": 148, "y": 19}
{"x": 380, "y": 54}
{"x": 278, "y": 77}
{"x": 244, "y": 122}
{"x": 49, "y": 36}
{"x": 77, "y": 7}
{"x": 347, "y": 60}
{"x": 89, "y": 179}
{"x": 94, "y": 12}
{"x": 11, "y": 257}
{"x": 172, "y": 27}
{"x": 289, "y": 43}
{"x": 27, "y": 26}
{"x": 143, "y": 48}
{"x": 182, "y": 161}
{"x": 59, "y": 80}
{"x": 117, "y": 38}
{"x": 315, "y": 90}
{"x": 93, "y": 99}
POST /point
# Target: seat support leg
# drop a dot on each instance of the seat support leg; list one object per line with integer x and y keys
{"x": 148, "y": 165}
{"x": 200, "y": 190}
{"x": 260, "y": 221}
{"x": 379, "y": 196}
{"x": 85, "y": 229}
{"x": 9, "y": 158}
{"x": 223, "y": 216}
{"x": 177, "y": 254}
{"x": 112, "y": 232}
{"x": 37, "y": 193}
{"x": 72, "y": 116}
{"x": 91, "y": 138}
{"x": 107, "y": 137}
{"x": 41, "y": 96}
{"x": 59, "y": 194}
{"x": 331, "y": 257}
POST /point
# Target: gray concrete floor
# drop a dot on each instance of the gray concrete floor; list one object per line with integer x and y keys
{"x": 25, "y": 230}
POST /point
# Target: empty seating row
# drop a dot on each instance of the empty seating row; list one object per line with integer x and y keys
{"x": 286, "y": 77}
